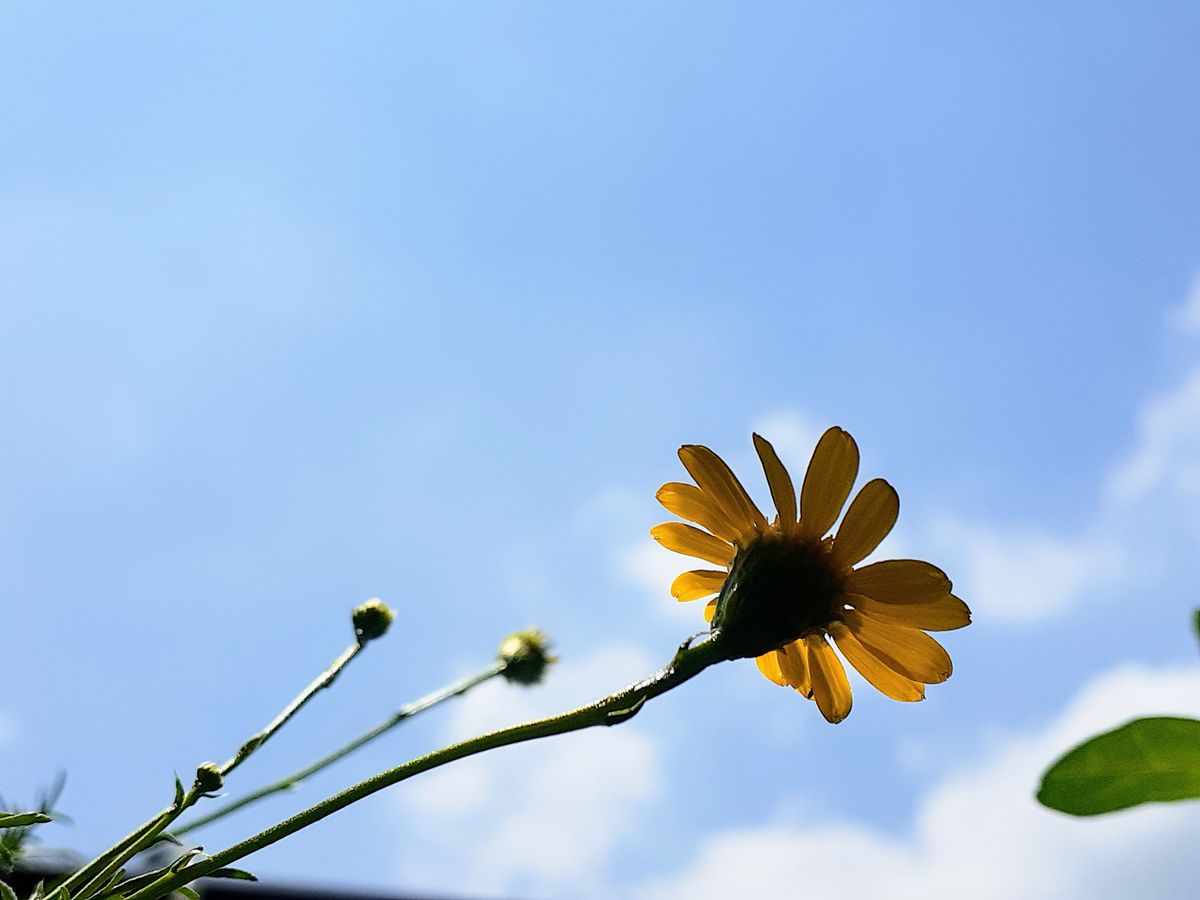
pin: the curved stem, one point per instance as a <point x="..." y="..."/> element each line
<point x="405" y="712"/>
<point x="689" y="661"/>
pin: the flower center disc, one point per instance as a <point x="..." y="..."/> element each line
<point x="781" y="586"/>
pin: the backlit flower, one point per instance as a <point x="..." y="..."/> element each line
<point x="786" y="586"/>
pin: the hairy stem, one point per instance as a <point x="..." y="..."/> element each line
<point x="689" y="661"/>
<point x="293" y="780"/>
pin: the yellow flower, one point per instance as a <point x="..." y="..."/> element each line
<point x="786" y="585"/>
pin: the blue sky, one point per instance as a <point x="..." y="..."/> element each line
<point x="301" y="305"/>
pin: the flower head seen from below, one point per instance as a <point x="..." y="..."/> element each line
<point x="787" y="586"/>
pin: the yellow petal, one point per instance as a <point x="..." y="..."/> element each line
<point x="899" y="581"/>
<point x="827" y="483"/>
<point x="868" y="521"/>
<point x="831" y="688"/>
<point x="692" y="542"/>
<point x="768" y="664"/>
<point x="888" y="682"/>
<point x="783" y="492"/>
<point x="793" y="663"/>
<point x="689" y="502"/>
<point x="943" y="614"/>
<point x="718" y="482"/>
<point x="908" y="651"/>
<point x="697" y="583"/>
<point x="710" y="610"/>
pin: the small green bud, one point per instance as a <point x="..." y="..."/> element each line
<point x="525" y="655"/>
<point x="209" y="778"/>
<point x="371" y="620"/>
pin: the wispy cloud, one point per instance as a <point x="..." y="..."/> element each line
<point x="978" y="833"/>
<point x="1186" y="316"/>
<point x="1167" y="452"/>
<point x="1021" y="574"/>
<point x="543" y="819"/>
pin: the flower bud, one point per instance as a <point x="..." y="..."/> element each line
<point x="371" y="620"/>
<point x="209" y="778"/>
<point x="525" y="655"/>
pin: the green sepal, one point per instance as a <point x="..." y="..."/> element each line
<point x="109" y="886"/>
<point x="184" y="859"/>
<point x="129" y="885"/>
<point x="18" y="820"/>
<point x="238" y="874"/>
<point x="178" y="790"/>
<point x="1153" y="760"/>
<point x="6" y="892"/>
<point x="1196" y="624"/>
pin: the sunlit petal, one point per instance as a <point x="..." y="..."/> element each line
<point x="943" y="614"/>
<point x="870" y="517"/>
<point x="718" y="482"/>
<point x="693" y="542"/>
<point x="909" y="651"/>
<point x="831" y="688"/>
<point x="768" y="664"/>
<point x="783" y="492"/>
<point x="793" y="662"/>
<point x="827" y="483"/>
<point x="887" y="681"/>
<point x="689" y="502"/>
<point x="697" y="583"/>
<point x="899" y="581"/>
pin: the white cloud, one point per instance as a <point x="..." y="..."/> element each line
<point x="979" y="833"/>
<point x="652" y="568"/>
<point x="1167" y="453"/>
<point x="1022" y="575"/>
<point x="1186" y="316"/>
<point x="541" y="819"/>
<point x="792" y="434"/>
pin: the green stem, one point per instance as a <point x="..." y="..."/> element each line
<point x="405" y="712"/>
<point x="118" y="854"/>
<point x="322" y="681"/>
<point x="94" y="873"/>
<point x="689" y="661"/>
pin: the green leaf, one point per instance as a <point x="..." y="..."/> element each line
<point x="187" y="892"/>
<point x="239" y="874"/>
<point x="7" y="893"/>
<point x="1145" y="761"/>
<point x="16" y="820"/>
